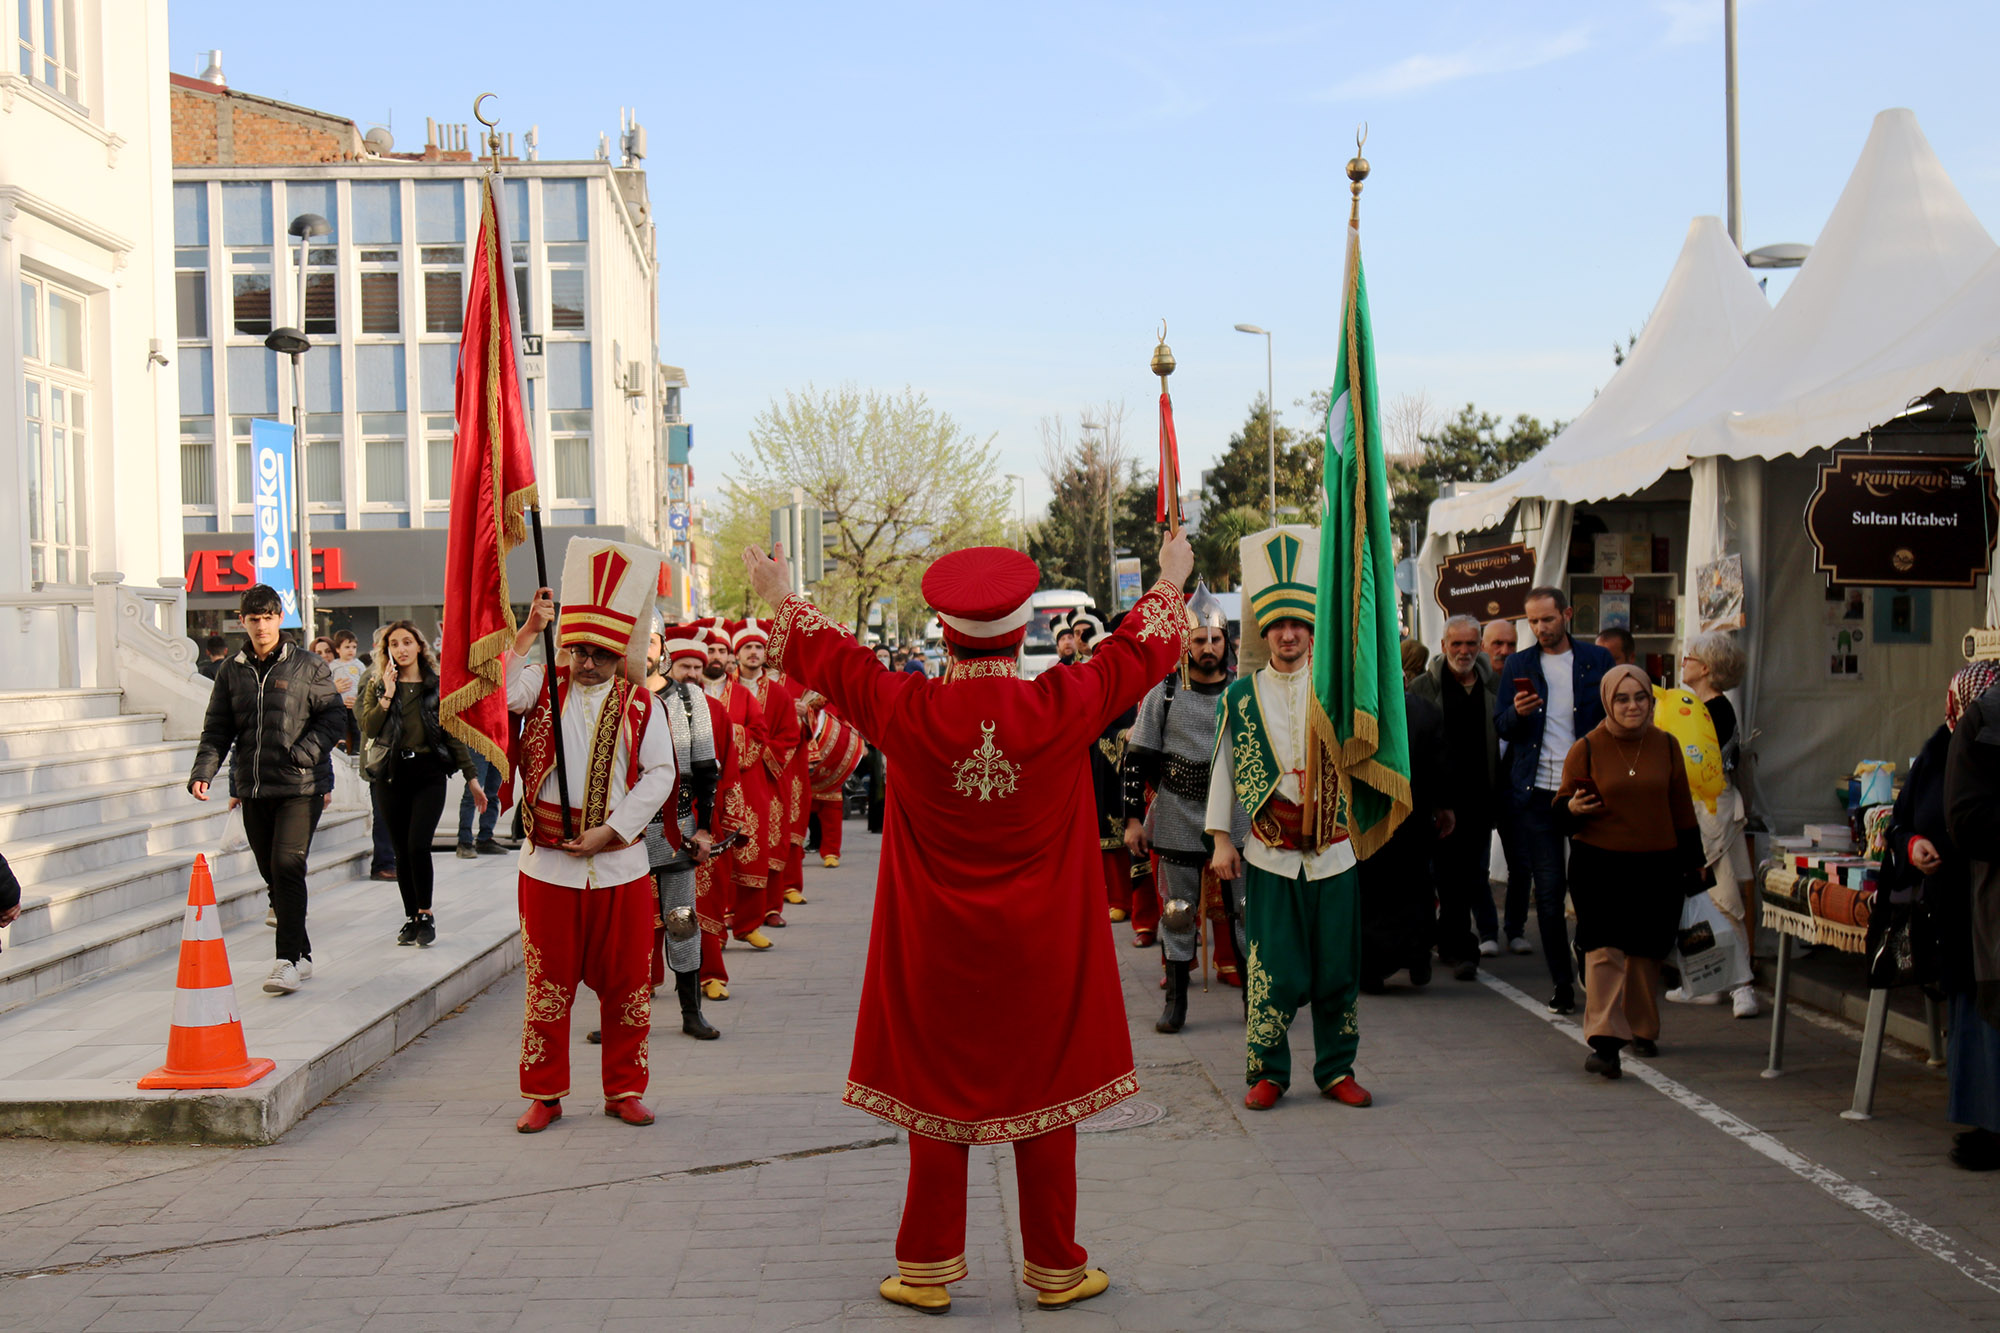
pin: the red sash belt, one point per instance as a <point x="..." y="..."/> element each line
<point x="1289" y="817"/>
<point x="546" y="827"/>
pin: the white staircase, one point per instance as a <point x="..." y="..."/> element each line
<point x="96" y="822"/>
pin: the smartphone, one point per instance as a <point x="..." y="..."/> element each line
<point x="1588" y="787"/>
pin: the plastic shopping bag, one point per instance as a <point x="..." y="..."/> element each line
<point x="1708" y="951"/>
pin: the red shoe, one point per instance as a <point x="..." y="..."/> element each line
<point x="629" y="1109"/>
<point x="1230" y="979"/>
<point x="773" y="919"/>
<point x="1263" y="1096"/>
<point x="1142" y="939"/>
<point x="1349" y="1093"/>
<point x="538" y="1117"/>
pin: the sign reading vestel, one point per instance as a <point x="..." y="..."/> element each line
<point x="1904" y="520"/>
<point x="1489" y="585"/>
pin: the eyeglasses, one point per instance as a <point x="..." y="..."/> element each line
<point x="604" y="655"/>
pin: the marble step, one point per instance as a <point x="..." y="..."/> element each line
<point x="134" y="796"/>
<point x="32" y="970"/>
<point x="25" y="706"/>
<point x="68" y="736"/>
<point x="191" y="824"/>
<point x="21" y="778"/>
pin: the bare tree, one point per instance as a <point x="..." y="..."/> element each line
<point x="1410" y="417"/>
<point x="900" y="482"/>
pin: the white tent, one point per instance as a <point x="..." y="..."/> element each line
<point x="1900" y="296"/>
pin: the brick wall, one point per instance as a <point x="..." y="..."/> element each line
<point x="216" y="127"/>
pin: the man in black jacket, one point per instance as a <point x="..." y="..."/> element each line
<point x="276" y="707"/>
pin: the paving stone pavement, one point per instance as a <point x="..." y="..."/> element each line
<point x="1493" y="1184"/>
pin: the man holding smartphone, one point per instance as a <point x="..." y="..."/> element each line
<point x="1547" y="697"/>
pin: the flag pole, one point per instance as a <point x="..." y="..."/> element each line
<point x="1170" y="461"/>
<point x="503" y="277"/>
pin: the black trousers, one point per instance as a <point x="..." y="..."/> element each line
<point x="412" y="803"/>
<point x="1461" y="869"/>
<point x="280" y="830"/>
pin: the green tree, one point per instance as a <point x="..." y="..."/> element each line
<point x="1215" y="545"/>
<point x="1472" y="446"/>
<point x="1242" y="476"/>
<point x="900" y="483"/>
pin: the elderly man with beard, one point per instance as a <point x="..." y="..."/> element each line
<point x="1169" y="751"/>
<point x="1460" y="685"/>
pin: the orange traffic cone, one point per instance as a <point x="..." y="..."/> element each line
<point x="205" y="1045"/>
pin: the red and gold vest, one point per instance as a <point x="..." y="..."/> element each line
<point x="627" y="710"/>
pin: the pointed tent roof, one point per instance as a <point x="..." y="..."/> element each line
<point x="1708" y="310"/>
<point x="1864" y="319"/>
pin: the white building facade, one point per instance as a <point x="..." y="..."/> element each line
<point x="88" y="394"/>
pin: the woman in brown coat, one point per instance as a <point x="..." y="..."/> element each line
<point x="1635" y="855"/>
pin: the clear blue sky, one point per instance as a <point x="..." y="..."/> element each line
<point x="996" y="204"/>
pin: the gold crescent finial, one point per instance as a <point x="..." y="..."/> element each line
<point x="479" y="115"/>
<point x="1361" y="138"/>
<point x="1163" y="329"/>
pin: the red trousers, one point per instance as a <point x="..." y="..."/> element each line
<point x="599" y="937"/>
<point x="793" y="878"/>
<point x="751" y="889"/>
<point x="711" y="958"/>
<point x="829" y="825"/>
<point x="712" y="903"/>
<point x="930" y="1247"/>
<point x="1139" y="898"/>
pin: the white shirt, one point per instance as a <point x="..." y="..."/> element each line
<point x="1558" y="717"/>
<point x="631" y="808"/>
<point x="1286" y="701"/>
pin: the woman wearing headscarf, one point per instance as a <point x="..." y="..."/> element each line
<point x="1635" y="855"/>
<point x="1944" y="829"/>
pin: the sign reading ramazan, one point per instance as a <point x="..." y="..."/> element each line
<point x="1904" y="520"/>
<point x="1489" y="585"/>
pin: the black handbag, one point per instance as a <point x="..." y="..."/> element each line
<point x="1900" y="934"/>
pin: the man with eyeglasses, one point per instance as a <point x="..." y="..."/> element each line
<point x="587" y="898"/>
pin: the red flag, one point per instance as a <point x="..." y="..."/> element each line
<point x="1168" y="507"/>
<point x="492" y="485"/>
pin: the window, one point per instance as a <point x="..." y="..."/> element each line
<point x="198" y="462"/>
<point x="325" y="486"/>
<point x="377" y="212"/>
<point x="246" y="213"/>
<point x="383" y="456"/>
<point x="48" y="45"/>
<point x="566" y="210"/>
<point x="440" y="212"/>
<point x="573" y="467"/>
<point x="568" y="265"/>
<point x="55" y="431"/>
<point x="381" y="297"/>
<point x="239" y="436"/>
<point x="569" y="375"/>
<point x="437" y="457"/>
<point x="191" y="304"/>
<point x="521" y="308"/>
<point x="444" y="291"/>
<point x="250" y="303"/>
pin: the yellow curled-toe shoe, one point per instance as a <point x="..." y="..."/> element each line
<point x="830" y="862"/>
<point x="931" y="1300"/>
<point x="713" y="989"/>
<point x="794" y="897"/>
<point x="1095" y="1280"/>
<point x="756" y="939"/>
<point x="1119" y="914"/>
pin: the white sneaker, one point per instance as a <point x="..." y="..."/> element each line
<point x="1743" y="1002"/>
<point x="1489" y="948"/>
<point x="305" y="966"/>
<point x="271" y="917"/>
<point x="1679" y="995"/>
<point x="1519" y="945"/>
<point x="284" y="978"/>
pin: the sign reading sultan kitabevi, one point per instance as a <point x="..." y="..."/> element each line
<point x="1490" y="585"/>
<point x="1904" y="520"/>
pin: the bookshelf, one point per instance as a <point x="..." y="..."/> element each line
<point x="1649" y="605"/>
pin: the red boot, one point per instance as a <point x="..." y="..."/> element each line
<point x="1263" y="1095"/>
<point x="629" y="1109"/>
<point x="538" y="1117"/>
<point x="1349" y="1093"/>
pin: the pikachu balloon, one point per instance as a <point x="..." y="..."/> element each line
<point x="1686" y="719"/>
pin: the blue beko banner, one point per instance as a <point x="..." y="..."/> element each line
<point x="273" y="488"/>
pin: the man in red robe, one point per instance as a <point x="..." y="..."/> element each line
<point x="784" y="763"/>
<point x="749" y="863"/>
<point x="990" y="831"/>
<point x="835" y="749"/>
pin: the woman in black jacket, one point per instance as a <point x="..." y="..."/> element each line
<point x="411" y="756"/>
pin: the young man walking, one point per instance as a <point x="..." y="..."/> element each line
<point x="275" y="707"/>
<point x="1546" y="697"/>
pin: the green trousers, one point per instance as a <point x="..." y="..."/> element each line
<point x="1305" y="949"/>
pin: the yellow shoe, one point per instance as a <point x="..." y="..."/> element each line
<point x="794" y="897"/>
<point x="1095" y="1280"/>
<point x="830" y="862"/>
<point x="714" y="990"/>
<point x="931" y="1300"/>
<point x="757" y="939"/>
<point x="1118" y="914"/>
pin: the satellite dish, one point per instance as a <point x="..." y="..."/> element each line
<point x="379" y="140"/>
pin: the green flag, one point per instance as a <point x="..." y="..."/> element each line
<point x="1357" y="650"/>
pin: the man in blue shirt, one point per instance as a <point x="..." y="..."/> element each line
<point x="1545" y="700"/>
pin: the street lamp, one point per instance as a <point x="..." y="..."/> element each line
<point x="1110" y="541"/>
<point x="292" y="342"/>
<point x="1023" y="482"/>
<point x="1270" y="417"/>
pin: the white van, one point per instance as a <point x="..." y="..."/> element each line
<point x="1038" y="649"/>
